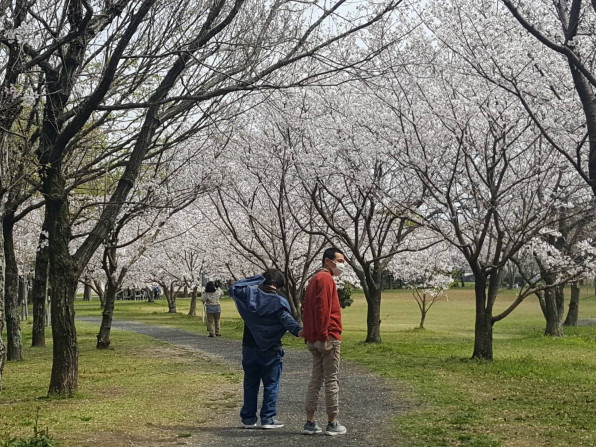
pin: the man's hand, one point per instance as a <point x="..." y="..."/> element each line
<point x="301" y="333"/>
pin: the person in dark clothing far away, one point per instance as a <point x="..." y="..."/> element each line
<point x="267" y="317"/>
<point x="321" y="314"/>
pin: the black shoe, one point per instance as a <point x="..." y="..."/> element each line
<point x="211" y="335"/>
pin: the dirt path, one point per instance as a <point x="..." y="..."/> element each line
<point x="367" y="402"/>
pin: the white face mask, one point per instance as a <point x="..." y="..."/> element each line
<point x="340" y="266"/>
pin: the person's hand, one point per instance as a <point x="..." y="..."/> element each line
<point x="301" y="333"/>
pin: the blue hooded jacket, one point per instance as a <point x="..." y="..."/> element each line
<point x="266" y="315"/>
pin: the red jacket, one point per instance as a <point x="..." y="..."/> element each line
<point x="321" y="313"/>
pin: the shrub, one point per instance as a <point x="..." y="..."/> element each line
<point x="40" y="439"/>
<point x="345" y="295"/>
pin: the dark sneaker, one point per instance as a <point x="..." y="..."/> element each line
<point x="311" y="428"/>
<point x="249" y="425"/>
<point x="274" y="423"/>
<point x="211" y="335"/>
<point x="335" y="428"/>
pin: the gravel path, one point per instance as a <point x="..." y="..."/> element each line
<point x="587" y="322"/>
<point x="367" y="402"/>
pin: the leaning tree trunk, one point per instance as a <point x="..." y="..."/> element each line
<point x="100" y="292"/>
<point x="193" y="302"/>
<point x="39" y="293"/>
<point x="483" y="328"/>
<point x="542" y="303"/>
<point x="103" y="338"/>
<point x="573" y="313"/>
<point x="14" y="339"/>
<point x="373" y="317"/>
<point x="588" y="100"/>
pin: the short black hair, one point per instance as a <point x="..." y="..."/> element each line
<point x="210" y="287"/>
<point x="330" y="253"/>
<point x="273" y="277"/>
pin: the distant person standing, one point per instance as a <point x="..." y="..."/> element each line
<point x="210" y="297"/>
<point x="321" y="317"/>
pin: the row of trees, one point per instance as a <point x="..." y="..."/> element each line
<point x="151" y="141"/>
<point x="96" y="91"/>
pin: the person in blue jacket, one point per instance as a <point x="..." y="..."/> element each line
<point x="267" y="317"/>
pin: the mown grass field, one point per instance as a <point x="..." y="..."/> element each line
<point x="538" y="391"/>
<point x="142" y="392"/>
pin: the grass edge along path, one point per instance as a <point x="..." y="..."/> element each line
<point x="142" y="392"/>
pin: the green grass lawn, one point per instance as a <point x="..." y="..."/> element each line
<point x="142" y="391"/>
<point x="538" y="391"/>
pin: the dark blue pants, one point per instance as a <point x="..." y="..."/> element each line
<point x="260" y="367"/>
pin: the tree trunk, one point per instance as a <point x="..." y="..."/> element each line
<point x="14" y="340"/>
<point x="295" y="299"/>
<point x="553" y="322"/>
<point x="24" y="297"/>
<point x="373" y="317"/>
<point x="100" y="292"/>
<point x="170" y="294"/>
<point x="103" y="338"/>
<point x="512" y="271"/>
<point x="2" y="286"/>
<point x="65" y="365"/>
<point x="542" y="303"/>
<point x="87" y="290"/>
<point x="483" y="338"/>
<point x="483" y="328"/>
<point x="64" y="277"/>
<point x="573" y="313"/>
<point x="560" y="301"/>
<point x="39" y="294"/>
<point x="193" y="302"/>
<point x="422" y="319"/>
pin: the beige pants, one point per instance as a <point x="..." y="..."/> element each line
<point x="213" y="324"/>
<point x="325" y="369"/>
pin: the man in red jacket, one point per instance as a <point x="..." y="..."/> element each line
<point x="321" y="316"/>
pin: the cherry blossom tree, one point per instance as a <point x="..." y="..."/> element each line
<point x="355" y="185"/>
<point x="255" y="207"/>
<point x="140" y="86"/>
<point x="566" y="28"/>
<point x="492" y="179"/>
<point x="560" y="257"/>
<point x="539" y="81"/>
<point x="167" y="188"/>
<point x="427" y="273"/>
